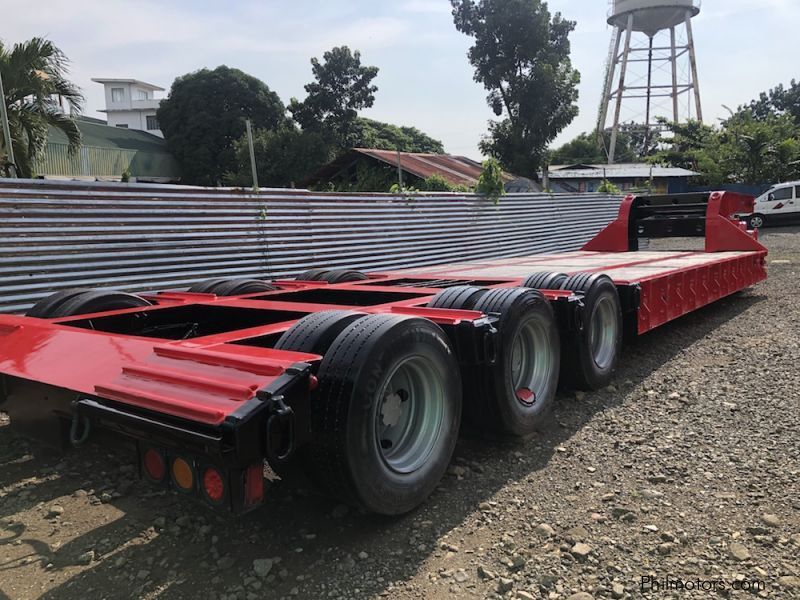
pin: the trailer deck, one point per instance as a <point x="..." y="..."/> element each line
<point x="671" y="284"/>
<point x="233" y="372"/>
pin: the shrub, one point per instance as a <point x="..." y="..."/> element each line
<point x="490" y="183"/>
<point x="606" y="187"/>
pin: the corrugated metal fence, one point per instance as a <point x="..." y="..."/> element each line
<point x="56" y="235"/>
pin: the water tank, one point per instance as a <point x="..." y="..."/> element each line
<point x="651" y="16"/>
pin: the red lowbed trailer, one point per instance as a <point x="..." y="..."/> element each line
<point x="359" y="380"/>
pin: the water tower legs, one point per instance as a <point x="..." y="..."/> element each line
<point x="674" y="61"/>
<point x="611" y="67"/>
<point x="693" y="63"/>
<point x="621" y="89"/>
<point x="616" y="90"/>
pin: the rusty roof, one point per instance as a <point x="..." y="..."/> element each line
<point x="457" y="170"/>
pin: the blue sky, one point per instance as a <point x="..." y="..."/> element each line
<point x="744" y="47"/>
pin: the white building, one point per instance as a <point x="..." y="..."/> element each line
<point x="131" y="104"/>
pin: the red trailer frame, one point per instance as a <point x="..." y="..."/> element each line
<point x="196" y="374"/>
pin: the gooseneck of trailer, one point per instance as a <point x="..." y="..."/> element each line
<point x="362" y="381"/>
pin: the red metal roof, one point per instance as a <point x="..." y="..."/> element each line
<point x="457" y="170"/>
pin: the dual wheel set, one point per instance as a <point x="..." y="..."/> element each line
<point x="392" y="392"/>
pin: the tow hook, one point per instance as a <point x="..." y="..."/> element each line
<point x="491" y="343"/>
<point x="75" y="438"/>
<point x="280" y="431"/>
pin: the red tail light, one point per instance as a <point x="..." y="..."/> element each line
<point x="254" y="485"/>
<point x="154" y="465"/>
<point x="213" y="485"/>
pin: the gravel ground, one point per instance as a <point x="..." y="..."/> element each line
<point x="687" y="467"/>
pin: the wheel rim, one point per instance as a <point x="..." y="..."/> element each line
<point x="410" y="415"/>
<point x="756" y="222"/>
<point x="603" y="332"/>
<point x="531" y="361"/>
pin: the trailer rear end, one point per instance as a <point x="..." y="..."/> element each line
<point x="362" y="381"/>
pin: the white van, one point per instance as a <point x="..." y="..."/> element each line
<point x="778" y="205"/>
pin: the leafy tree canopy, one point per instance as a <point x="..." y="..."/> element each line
<point x="778" y="101"/>
<point x="742" y="149"/>
<point x="342" y="87"/>
<point x="582" y="149"/>
<point x="205" y="114"/>
<point x="34" y="76"/>
<point x="368" y="133"/>
<point x="284" y="156"/>
<point x="758" y="144"/>
<point x="586" y="148"/>
<point x="204" y="123"/>
<point x="521" y="56"/>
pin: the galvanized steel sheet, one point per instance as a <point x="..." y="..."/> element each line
<point x="57" y="235"/>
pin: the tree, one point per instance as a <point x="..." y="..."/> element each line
<point x="582" y="149"/>
<point x="385" y="136"/>
<point x="341" y="88"/>
<point x="778" y="101"/>
<point x="743" y="149"/>
<point x="205" y="114"/>
<point x="284" y="156"/>
<point x="34" y="78"/>
<point x="521" y="56"/>
<point x="758" y="144"/>
<point x="695" y="147"/>
<point x="287" y="156"/>
<point x="760" y="150"/>
<point x="490" y="181"/>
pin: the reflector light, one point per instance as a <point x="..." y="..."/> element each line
<point x="526" y="396"/>
<point x="182" y="474"/>
<point x="213" y="485"/>
<point x="254" y="484"/>
<point x="154" y="466"/>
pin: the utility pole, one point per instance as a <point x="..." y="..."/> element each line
<point x="6" y="129"/>
<point x="252" y="154"/>
<point x="399" y="170"/>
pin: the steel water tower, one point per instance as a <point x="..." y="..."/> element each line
<point x="641" y="74"/>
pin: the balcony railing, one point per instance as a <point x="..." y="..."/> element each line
<point x="150" y="103"/>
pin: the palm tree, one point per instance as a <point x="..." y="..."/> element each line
<point x="34" y="82"/>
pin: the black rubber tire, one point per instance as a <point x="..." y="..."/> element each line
<point x="579" y="366"/>
<point x="207" y="286"/>
<point x="460" y="297"/>
<point x="239" y="287"/>
<point x="343" y="276"/>
<point x="312" y="275"/>
<point x="315" y="333"/>
<point x="491" y="399"/>
<point x="752" y="221"/>
<point x="98" y="301"/>
<point x="45" y="308"/>
<point x="344" y="459"/>
<point x="545" y="280"/>
<point x="577" y="281"/>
